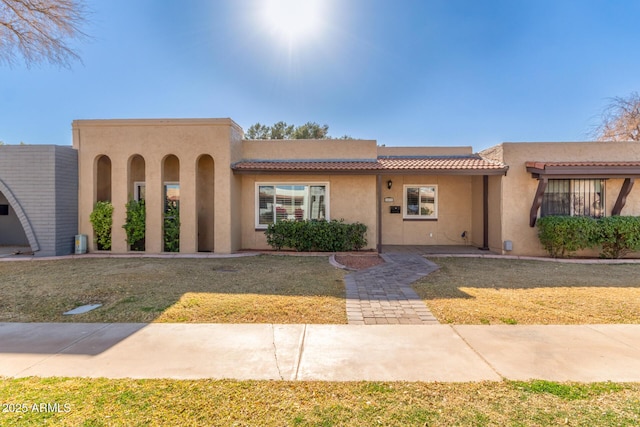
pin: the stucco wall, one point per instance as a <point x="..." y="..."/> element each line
<point x="40" y="184"/>
<point x="351" y="197"/>
<point x="309" y="149"/>
<point x="154" y="140"/>
<point x="518" y="188"/>
<point x="454" y="212"/>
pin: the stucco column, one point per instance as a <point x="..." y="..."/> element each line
<point x="119" y="200"/>
<point x="154" y="204"/>
<point x="188" y="212"/>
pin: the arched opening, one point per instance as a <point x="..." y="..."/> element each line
<point x="103" y="179"/>
<point x="171" y="194"/>
<point x="204" y="202"/>
<point x="102" y="216"/>
<point x="13" y="237"/>
<point x="135" y="224"/>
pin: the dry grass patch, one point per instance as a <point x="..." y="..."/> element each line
<point x="495" y="291"/>
<point x="102" y="402"/>
<point x="262" y="289"/>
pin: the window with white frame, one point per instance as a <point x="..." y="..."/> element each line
<point x="298" y="202"/>
<point x="420" y="202"/>
<point x="574" y="197"/>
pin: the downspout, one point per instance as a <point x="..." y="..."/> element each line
<point x="485" y="213"/>
<point x="379" y="215"/>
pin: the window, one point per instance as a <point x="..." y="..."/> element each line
<point x="574" y="197"/>
<point x="171" y="195"/>
<point x="420" y="202"/>
<point x="277" y="202"/>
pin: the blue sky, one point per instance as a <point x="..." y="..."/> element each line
<point x="403" y="72"/>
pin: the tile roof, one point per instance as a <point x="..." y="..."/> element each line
<point x="471" y="162"/>
<point x="468" y="163"/>
<point x="306" y="165"/>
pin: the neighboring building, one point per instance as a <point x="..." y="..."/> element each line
<point x="39" y="198"/>
<point x="229" y="189"/>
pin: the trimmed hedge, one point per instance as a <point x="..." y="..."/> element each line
<point x="317" y="235"/>
<point x="563" y="235"/>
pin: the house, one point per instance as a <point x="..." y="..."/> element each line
<point x="229" y="189"/>
<point x="39" y="198"/>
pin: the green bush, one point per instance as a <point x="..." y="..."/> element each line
<point x="562" y="235"/>
<point x="102" y="220"/>
<point x="135" y="225"/>
<point x="618" y="235"/>
<point x="172" y="227"/>
<point x="317" y="235"/>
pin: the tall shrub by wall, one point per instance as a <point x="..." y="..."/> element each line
<point x="135" y="225"/>
<point x="102" y="220"/>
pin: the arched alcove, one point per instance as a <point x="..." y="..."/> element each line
<point x="135" y="224"/>
<point x="171" y="205"/>
<point x="204" y="202"/>
<point x="103" y="179"/>
<point x="15" y="228"/>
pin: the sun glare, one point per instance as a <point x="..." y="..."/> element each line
<point x="293" y="21"/>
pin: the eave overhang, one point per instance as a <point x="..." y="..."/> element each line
<point x="567" y="170"/>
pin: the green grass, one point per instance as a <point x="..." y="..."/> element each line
<point x="503" y="291"/>
<point x="102" y="402"/>
<point x="262" y="289"/>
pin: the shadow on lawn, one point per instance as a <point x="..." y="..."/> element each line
<point x="141" y="289"/>
<point x="489" y="273"/>
<point x="138" y="291"/>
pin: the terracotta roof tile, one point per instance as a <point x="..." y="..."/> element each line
<point x="295" y="165"/>
<point x="448" y="163"/>
<point x="471" y="162"/>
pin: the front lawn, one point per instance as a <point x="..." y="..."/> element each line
<point x="102" y="402"/>
<point x="505" y="291"/>
<point x="261" y="289"/>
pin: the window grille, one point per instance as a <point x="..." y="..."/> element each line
<point x="574" y="197"/>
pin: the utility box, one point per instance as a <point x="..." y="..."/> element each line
<point x="508" y="245"/>
<point x="81" y="244"/>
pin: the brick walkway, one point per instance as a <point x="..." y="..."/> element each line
<point x="382" y="295"/>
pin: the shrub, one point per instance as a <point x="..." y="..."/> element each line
<point x="317" y="235"/>
<point x="102" y="219"/>
<point x="135" y="225"/>
<point x="618" y="235"/>
<point x="172" y="227"/>
<point x="562" y="235"/>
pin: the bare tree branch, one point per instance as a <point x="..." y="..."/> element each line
<point x="38" y="30"/>
<point x="620" y="120"/>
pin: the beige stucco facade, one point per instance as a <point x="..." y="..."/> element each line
<point x="512" y="197"/>
<point x="170" y="151"/>
<point x="481" y="200"/>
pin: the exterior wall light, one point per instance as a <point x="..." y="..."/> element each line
<point x="389" y="184"/>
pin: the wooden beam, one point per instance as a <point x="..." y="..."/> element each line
<point x="622" y="197"/>
<point x="537" y="201"/>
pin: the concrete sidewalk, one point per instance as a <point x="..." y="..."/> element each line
<point x="445" y="353"/>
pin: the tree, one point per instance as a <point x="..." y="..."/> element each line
<point x="281" y="130"/>
<point x="311" y="130"/>
<point x="39" y="30"/>
<point x="620" y="120"/>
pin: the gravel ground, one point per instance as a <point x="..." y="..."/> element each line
<point x="359" y="262"/>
